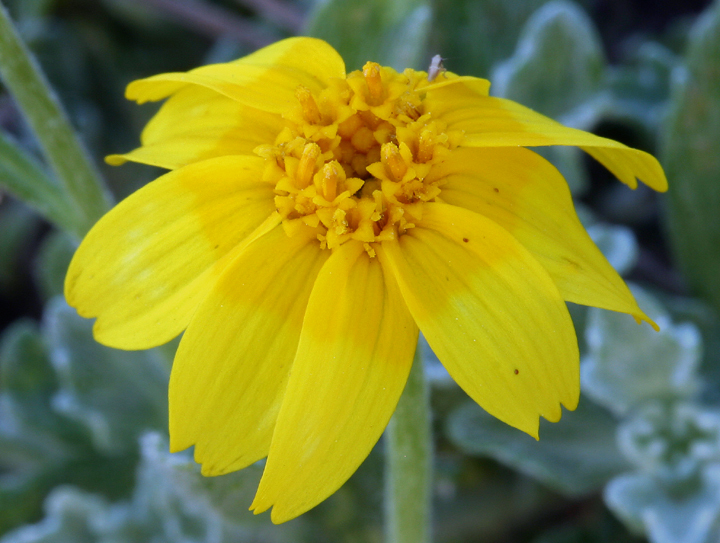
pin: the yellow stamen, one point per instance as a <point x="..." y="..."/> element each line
<point x="353" y="158"/>
<point x="331" y="174"/>
<point x="394" y="164"/>
<point x="426" y="145"/>
<point x="306" y="168"/>
<point x="371" y="71"/>
<point x="310" y="110"/>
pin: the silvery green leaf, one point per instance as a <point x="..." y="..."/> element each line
<point x="586" y="215"/>
<point x="115" y="394"/>
<point x="617" y="243"/>
<point x="558" y="63"/>
<point x="27" y="380"/>
<point x="390" y="32"/>
<point x="639" y="88"/>
<point x="404" y="45"/>
<point x="172" y="502"/>
<point x="31" y="433"/>
<point x="691" y="155"/>
<point x="40" y="448"/>
<point x="708" y="322"/>
<point x="569" y="162"/>
<point x="164" y="508"/>
<point x="671" y="439"/>
<point x="576" y="455"/>
<point x="473" y="35"/>
<point x="687" y="515"/>
<point x="484" y="501"/>
<point x="557" y="68"/>
<point x="627" y="364"/>
<point x="69" y="515"/>
<point x="26" y="179"/>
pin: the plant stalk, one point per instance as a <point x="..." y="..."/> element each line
<point x="408" y="479"/>
<point x="80" y="181"/>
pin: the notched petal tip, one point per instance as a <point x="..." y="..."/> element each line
<point x="259" y="504"/>
<point x="206" y="470"/>
<point x="533" y="432"/>
<point x="642" y="317"/>
<point x="570" y="406"/>
<point x="276" y="515"/>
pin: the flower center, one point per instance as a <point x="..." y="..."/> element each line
<point x="352" y="161"/>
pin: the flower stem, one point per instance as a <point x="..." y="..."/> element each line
<point x="408" y="480"/>
<point x="78" y="177"/>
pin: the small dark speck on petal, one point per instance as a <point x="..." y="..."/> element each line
<point x="217" y="246"/>
<point x="517" y="371"/>
<point x="465" y="240"/>
<point x="496" y="189"/>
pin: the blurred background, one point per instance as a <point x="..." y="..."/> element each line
<point x="83" y="438"/>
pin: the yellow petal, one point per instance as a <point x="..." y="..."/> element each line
<point x="352" y="363"/>
<point x="496" y="122"/>
<point x="476" y="84"/>
<point x="265" y="80"/>
<point x="232" y="366"/>
<point x="528" y="197"/>
<point x="196" y="124"/>
<point x="490" y="312"/>
<point x="146" y="265"/>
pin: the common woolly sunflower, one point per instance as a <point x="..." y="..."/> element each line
<point x="311" y="223"/>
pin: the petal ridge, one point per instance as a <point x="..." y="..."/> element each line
<point x="228" y="380"/>
<point x="146" y="265"/>
<point x="352" y="363"/>
<point x="490" y="312"/>
<point x="265" y="80"/>
<point x="526" y="195"/>
<point x="498" y="122"/>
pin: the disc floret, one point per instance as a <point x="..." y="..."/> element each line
<point x="353" y="159"/>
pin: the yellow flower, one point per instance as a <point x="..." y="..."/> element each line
<point x="311" y="223"/>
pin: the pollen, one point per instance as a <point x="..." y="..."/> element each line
<point x="353" y="159"/>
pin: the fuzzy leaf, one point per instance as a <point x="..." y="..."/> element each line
<point x="115" y="394"/>
<point x="640" y="87"/>
<point x="628" y="364"/>
<point x="575" y="456"/>
<point x="474" y="35"/>
<point x="558" y="63"/>
<point x="24" y="177"/>
<point x="557" y="67"/>
<point x="69" y="518"/>
<point x="646" y="505"/>
<point x="671" y="439"/>
<point x="617" y="243"/>
<point x="390" y="32"/>
<point x="691" y="154"/>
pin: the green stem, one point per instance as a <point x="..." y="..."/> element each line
<point x="26" y="179"/>
<point x="408" y="481"/>
<point x="65" y="154"/>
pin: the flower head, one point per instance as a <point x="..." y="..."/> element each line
<point x="312" y="222"/>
